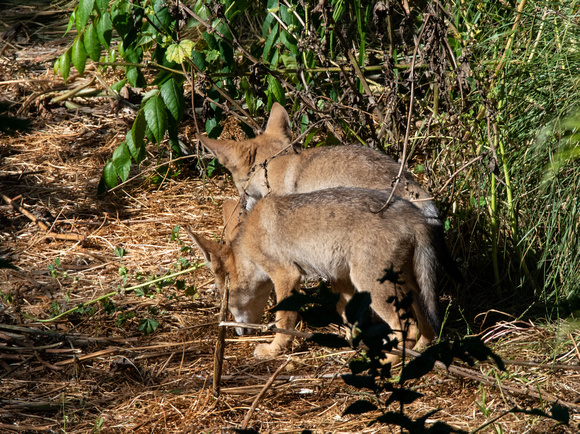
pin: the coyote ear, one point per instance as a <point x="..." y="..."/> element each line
<point x="231" y="207"/>
<point x="224" y="150"/>
<point x="215" y="254"/>
<point x="279" y="122"/>
<point x="233" y="217"/>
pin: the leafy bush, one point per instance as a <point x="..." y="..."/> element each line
<point x="440" y="84"/>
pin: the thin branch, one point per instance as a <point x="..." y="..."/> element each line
<point x="262" y="393"/>
<point x="409" y="116"/>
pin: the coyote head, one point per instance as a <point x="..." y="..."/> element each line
<point x="240" y="157"/>
<point x="249" y="289"/>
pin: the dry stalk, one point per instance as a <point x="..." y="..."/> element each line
<point x="262" y="393"/>
<point x="220" y="346"/>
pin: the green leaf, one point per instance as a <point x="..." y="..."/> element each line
<point x="135" y="76"/>
<point x="71" y="21"/>
<point x="64" y="64"/>
<point x="92" y="44"/>
<point x="212" y="55"/>
<point x="179" y="52"/>
<point x="250" y="96"/>
<point x="83" y="12"/>
<point x="275" y="92"/>
<point x="289" y="61"/>
<point x="150" y="94"/>
<point x="270" y="42"/>
<point x="148" y="325"/>
<point x="102" y="5"/>
<point x="56" y="66"/>
<point x="79" y="55"/>
<point x="289" y="42"/>
<point x="198" y="60"/>
<point x="162" y="18"/>
<point x="117" y="86"/>
<point x="227" y="55"/>
<point x="105" y="29"/>
<point x="211" y="40"/>
<point x="122" y="161"/>
<point x="136" y="137"/>
<point x="156" y="117"/>
<point x="122" y="18"/>
<point x="213" y="128"/>
<point x="109" y="177"/>
<point x="266" y="26"/>
<point x="173" y="97"/>
<point x="191" y="291"/>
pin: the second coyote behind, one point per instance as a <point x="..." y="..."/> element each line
<point x="335" y="234"/>
<point x="268" y="164"/>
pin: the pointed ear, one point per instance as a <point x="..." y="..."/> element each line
<point x="226" y="151"/>
<point x="231" y="208"/>
<point x="233" y="217"/>
<point x="215" y="254"/>
<point x="279" y="122"/>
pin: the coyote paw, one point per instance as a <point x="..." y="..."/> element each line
<point x="267" y="351"/>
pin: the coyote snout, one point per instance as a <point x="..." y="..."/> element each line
<point x="336" y="234"/>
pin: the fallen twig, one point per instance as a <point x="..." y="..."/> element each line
<point x="43" y="226"/>
<point x="262" y="393"/>
<point x="23" y="211"/>
<point x="452" y="369"/>
<point x="220" y="345"/>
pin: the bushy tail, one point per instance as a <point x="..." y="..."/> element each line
<point x="443" y="255"/>
<point x="425" y="262"/>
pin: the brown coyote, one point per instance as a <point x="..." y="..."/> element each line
<point x="268" y="164"/>
<point x="233" y="215"/>
<point x="336" y="234"/>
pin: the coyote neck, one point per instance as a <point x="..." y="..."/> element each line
<point x="276" y="176"/>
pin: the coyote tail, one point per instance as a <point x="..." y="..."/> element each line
<point x="425" y="264"/>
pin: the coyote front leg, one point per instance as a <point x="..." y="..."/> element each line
<point x="284" y="281"/>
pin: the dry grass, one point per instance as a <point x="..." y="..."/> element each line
<point x="73" y="374"/>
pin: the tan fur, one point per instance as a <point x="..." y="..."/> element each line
<point x="335" y="234"/>
<point x="278" y="169"/>
<point x="233" y="216"/>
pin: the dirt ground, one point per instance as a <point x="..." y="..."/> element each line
<point x="98" y="371"/>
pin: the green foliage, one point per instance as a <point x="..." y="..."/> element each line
<point x="464" y="88"/>
<point x="99" y="422"/>
<point x="148" y="325"/>
<point x="56" y="269"/>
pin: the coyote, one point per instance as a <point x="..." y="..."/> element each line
<point x="336" y="234"/>
<point x="269" y="164"/>
<point x="233" y="216"/>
